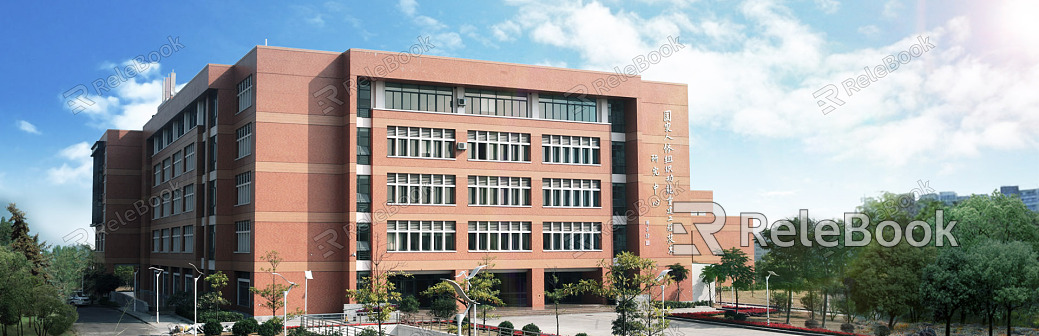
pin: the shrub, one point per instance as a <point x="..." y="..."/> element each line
<point x="270" y="327"/>
<point x="62" y="320"/>
<point x="530" y="327"/>
<point x="368" y="332"/>
<point x="811" y="324"/>
<point x="730" y="314"/>
<point x="505" y="328"/>
<point x="847" y="327"/>
<point x="882" y="330"/>
<point x="219" y="316"/>
<point x="245" y="327"/>
<point x="408" y="305"/>
<point x="580" y="334"/>
<point x="443" y="307"/>
<point x="301" y="331"/>
<point x="779" y="301"/>
<point x="212" y="328"/>
<point x="740" y="317"/>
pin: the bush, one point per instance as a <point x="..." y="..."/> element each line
<point x="245" y="327"/>
<point x="62" y="320"/>
<point x="212" y="328"/>
<point x="580" y="334"/>
<point x="301" y="331"/>
<point x="443" y="307"/>
<point x="679" y="304"/>
<point x="779" y="301"/>
<point x="270" y="327"/>
<point x="847" y="327"/>
<point x="882" y="330"/>
<point x="368" y="332"/>
<point x="408" y="305"/>
<point x="505" y="328"/>
<point x="219" y="316"/>
<point x="730" y="314"/>
<point x="740" y="317"/>
<point x="811" y="324"/>
<point x="530" y="327"/>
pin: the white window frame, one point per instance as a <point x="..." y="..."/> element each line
<point x="499" y="191"/>
<point x="177" y="164"/>
<point x="244" y="138"/>
<point x="565" y="149"/>
<point x="189" y="239"/>
<point x="243" y="236"/>
<point x="167" y="170"/>
<point x="189" y="198"/>
<point x="175" y="242"/>
<point x="243" y="186"/>
<point x="245" y="94"/>
<point x="498" y="146"/>
<point x="165" y="240"/>
<point x="571" y="236"/>
<point x="401" y="234"/>
<point x="178" y="207"/>
<point x="508" y="234"/>
<point x="571" y="193"/>
<point x="189" y="158"/>
<point x="420" y="142"/>
<point x="417" y="186"/>
<point x="158" y="174"/>
<point x="156" y="241"/>
<point x="99" y="241"/>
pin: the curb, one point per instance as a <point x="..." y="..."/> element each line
<point x="749" y="326"/>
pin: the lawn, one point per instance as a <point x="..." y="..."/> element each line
<point x="12" y="330"/>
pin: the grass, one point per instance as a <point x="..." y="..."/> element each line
<point x="12" y="330"/>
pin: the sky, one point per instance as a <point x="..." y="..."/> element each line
<point x="959" y="113"/>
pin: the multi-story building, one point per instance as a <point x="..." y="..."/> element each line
<point x="361" y="161"/>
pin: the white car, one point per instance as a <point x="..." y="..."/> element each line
<point x="79" y="299"/>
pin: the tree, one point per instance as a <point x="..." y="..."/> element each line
<point x="709" y="275"/>
<point x="678" y="273"/>
<point x="1000" y="217"/>
<point x="45" y="303"/>
<point x="557" y="294"/>
<point x="16" y="282"/>
<point x="1007" y="276"/>
<point x="484" y="289"/>
<point x="5" y="232"/>
<point x="626" y="279"/>
<point x="947" y="284"/>
<point x="376" y="295"/>
<point x="272" y="294"/>
<point x="887" y="279"/>
<point x="734" y="267"/>
<point x="67" y="267"/>
<point x="29" y="246"/>
<point x="214" y="298"/>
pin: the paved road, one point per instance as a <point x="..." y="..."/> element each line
<point x="98" y="320"/>
<point x="599" y="324"/>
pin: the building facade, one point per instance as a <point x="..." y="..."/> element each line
<point x="348" y="163"/>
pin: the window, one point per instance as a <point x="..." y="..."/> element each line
<point x="189" y="158"/>
<point x="176" y="239"/>
<point x="212" y="198"/>
<point x="245" y="145"/>
<point x="166" y="208"/>
<point x="571" y="193"/>
<point x="364" y="241"/>
<point x="158" y="174"/>
<point x="165" y="240"/>
<point x="156" y="143"/>
<point x="499" y="236"/>
<point x="244" y="296"/>
<point x="494" y="190"/>
<point x="189" y="239"/>
<point x="178" y="129"/>
<point x="497" y="103"/>
<point x="620" y="166"/>
<point x="243" y="183"/>
<point x="156" y="208"/>
<point x="563" y="108"/>
<point x="364" y="193"/>
<point x="419" y="97"/>
<point x="572" y="236"/>
<point x="364" y="145"/>
<point x="189" y="198"/>
<point x="191" y="116"/>
<point x="245" y="93"/>
<point x="156" y="241"/>
<point x="570" y="149"/>
<point x="620" y="199"/>
<point x="212" y="153"/>
<point x="420" y="142"/>
<point x="99" y="241"/>
<point x="167" y="171"/>
<point x="188" y="282"/>
<point x="178" y="207"/>
<point x="177" y="164"/>
<point x="364" y="97"/>
<point x="499" y="146"/>
<point x="616" y="110"/>
<point x="211" y="251"/>
<point x="425" y="189"/>
<point x="243" y="235"/>
<point x="425" y="236"/>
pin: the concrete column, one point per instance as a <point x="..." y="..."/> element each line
<point x="536" y="283"/>
<point x="535" y="108"/>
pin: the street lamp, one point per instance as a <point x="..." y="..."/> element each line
<point x="307" y="276"/>
<point x="768" y="299"/>
<point x="135" y="288"/>
<point x="662" y="283"/>
<point x="158" y="272"/>
<point x="468" y="302"/>
<point x="468" y="277"/>
<point x="194" y="324"/>
<point x="285" y="304"/>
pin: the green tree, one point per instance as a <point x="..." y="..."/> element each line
<point x="557" y="294"/>
<point x="678" y="273"/>
<point x="272" y="294"/>
<point x="125" y="275"/>
<point x="887" y="279"/>
<point x="626" y="279"/>
<point x="1007" y="277"/>
<point x="734" y="267"/>
<point x="947" y="284"/>
<point x="16" y="283"/>
<point x="1000" y="217"/>
<point x="214" y="298"/>
<point x="5" y="232"/>
<point x="45" y="303"/>
<point x="28" y="246"/>
<point x="376" y="296"/>
<point x="67" y="267"/>
<point x="709" y="275"/>
<point x="485" y="289"/>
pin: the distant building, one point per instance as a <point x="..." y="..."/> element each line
<point x="1029" y="196"/>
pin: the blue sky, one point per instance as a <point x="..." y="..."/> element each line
<point x="961" y="116"/>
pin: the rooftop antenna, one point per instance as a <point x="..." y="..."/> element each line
<point x="264" y="42"/>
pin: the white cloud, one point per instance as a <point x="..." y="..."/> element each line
<point x="77" y="170"/>
<point x="505" y="31"/>
<point x="128" y="105"/>
<point x="27" y="127"/>
<point x="869" y="30"/>
<point x="891" y="8"/>
<point x="440" y="33"/>
<point x="551" y="63"/>
<point x="828" y="6"/>
<point x="316" y="20"/>
<point x="409" y="7"/>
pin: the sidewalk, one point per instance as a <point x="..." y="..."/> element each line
<point x="166" y="320"/>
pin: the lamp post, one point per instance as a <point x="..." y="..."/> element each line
<point x="661" y="279"/>
<point x="307" y="276"/>
<point x="468" y="277"/>
<point x="158" y="272"/>
<point x="285" y="304"/>
<point x="135" y="288"/>
<point x="194" y="323"/>
<point x="465" y="297"/>
<point x="768" y="299"/>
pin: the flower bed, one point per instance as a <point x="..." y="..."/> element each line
<point x="711" y="316"/>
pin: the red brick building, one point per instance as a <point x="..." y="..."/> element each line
<point x="345" y="162"/>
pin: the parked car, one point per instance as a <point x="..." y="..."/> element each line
<point x="79" y="299"/>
